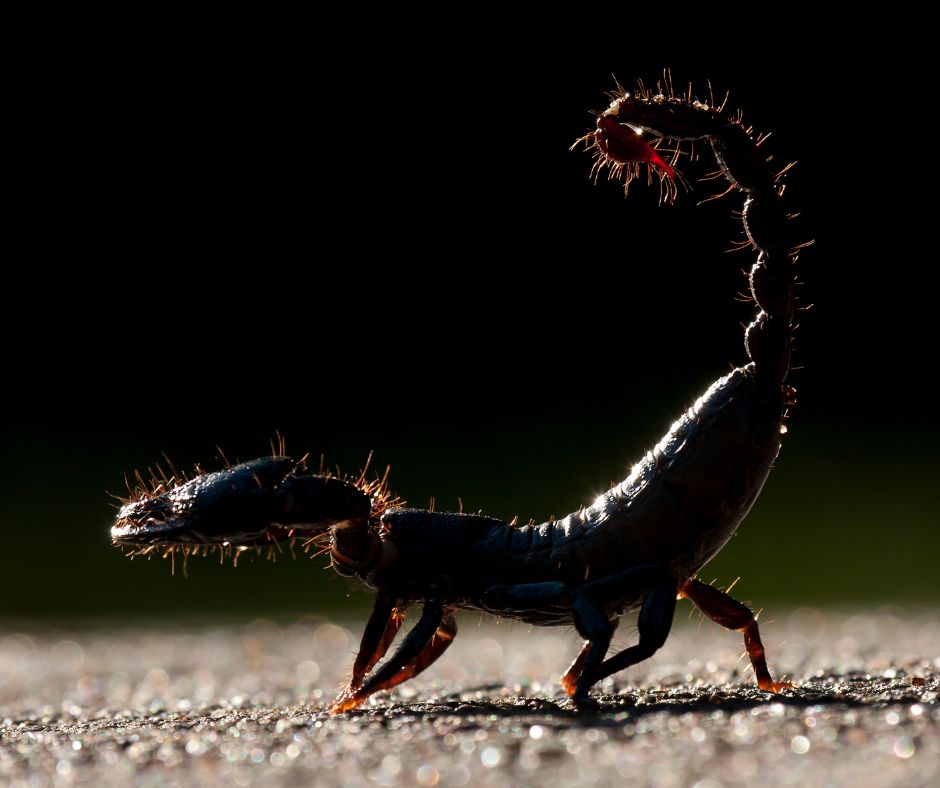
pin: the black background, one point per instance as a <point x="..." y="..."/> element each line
<point x="375" y="239"/>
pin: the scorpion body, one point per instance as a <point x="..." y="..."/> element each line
<point x="639" y="545"/>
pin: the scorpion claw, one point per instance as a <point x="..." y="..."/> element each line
<point x="251" y="504"/>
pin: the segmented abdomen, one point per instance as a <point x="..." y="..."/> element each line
<point x="678" y="506"/>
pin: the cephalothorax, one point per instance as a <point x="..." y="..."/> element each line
<point x="639" y="545"/>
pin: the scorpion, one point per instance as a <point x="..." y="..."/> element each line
<point x="639" y="545"/>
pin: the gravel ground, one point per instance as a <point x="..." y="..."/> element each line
<point x="243" y="705"/>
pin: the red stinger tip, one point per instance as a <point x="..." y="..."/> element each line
<point x="624" y="145"/>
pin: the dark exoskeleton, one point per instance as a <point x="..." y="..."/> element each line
<point x="639" y="545"/>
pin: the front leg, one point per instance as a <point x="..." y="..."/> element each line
<point x="439" y="643"/>
<point x="381" y="629"/>
<point x="416" y="642"/>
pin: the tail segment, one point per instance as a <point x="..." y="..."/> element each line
<point x="769" y="337"/>
<point x="674" y="120"/>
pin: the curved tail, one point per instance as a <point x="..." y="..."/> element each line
<point x="673" y="120"/>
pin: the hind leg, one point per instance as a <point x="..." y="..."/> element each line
<point x="724" y="609"/>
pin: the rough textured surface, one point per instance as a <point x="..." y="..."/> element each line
<point x="244" y="705"/>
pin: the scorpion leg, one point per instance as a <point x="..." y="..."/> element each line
<point x="570" y="680"/>
<point x="724" y="609"/>
<point x="442" y="638"/>
<point x="381" y="629"/>
<point x="415" y="642"/>
<point x="586" y="603"/>
<point x="654" y="623"/>
<point x="594" y="627"/>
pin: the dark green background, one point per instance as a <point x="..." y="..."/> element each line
<point x="398" y="253"/>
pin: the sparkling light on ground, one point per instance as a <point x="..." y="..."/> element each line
<point x="245" y="705"/>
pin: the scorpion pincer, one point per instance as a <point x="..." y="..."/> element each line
<point x="639" y="545"/>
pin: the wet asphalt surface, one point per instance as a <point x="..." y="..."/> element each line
<point x="245" y="705"/>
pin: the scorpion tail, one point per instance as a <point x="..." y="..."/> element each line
<point x="769" y="337"/>
<point x="678" y="119"/>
